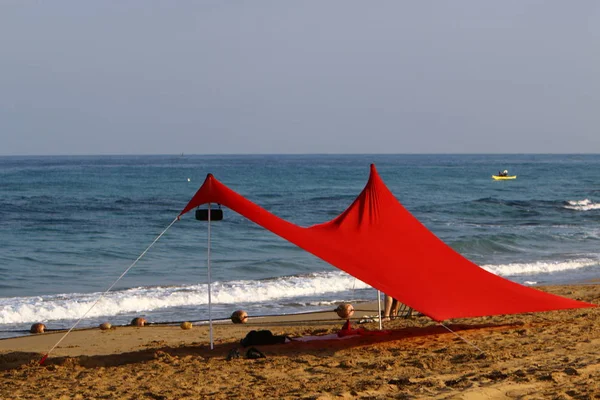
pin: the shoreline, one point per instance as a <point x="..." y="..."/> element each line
<point x="370" y="306"/>
<point x="328" y="314"/>
<point x="326" y="318"/>
<point x="553" y="354"/>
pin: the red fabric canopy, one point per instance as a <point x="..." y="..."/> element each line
<point x="379" y="242"/>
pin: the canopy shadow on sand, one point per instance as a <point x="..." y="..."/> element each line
<point x="317" y="348"/>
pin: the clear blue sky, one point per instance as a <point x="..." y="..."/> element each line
<point x="206" y="77"/>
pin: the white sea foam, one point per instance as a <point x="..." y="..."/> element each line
<point x="539" y="267"/>
<point x="304" y="291"/>
<point x="138" y="300"/>
<point x="582" y="205"/>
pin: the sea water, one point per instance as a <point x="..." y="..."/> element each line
<point x="70" y="227"/>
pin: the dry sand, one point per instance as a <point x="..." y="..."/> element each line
<point x="553" y="355"/>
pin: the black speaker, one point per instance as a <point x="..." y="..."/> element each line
<point x="215" y="215"/>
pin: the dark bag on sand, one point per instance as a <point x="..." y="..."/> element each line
<point x="262" y="337"/>
<point x="254" y="353"/>
<point x="233" y="354"/>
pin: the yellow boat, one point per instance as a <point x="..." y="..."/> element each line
<point x="503" y="178"/>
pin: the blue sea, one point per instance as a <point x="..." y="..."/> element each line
<point x="71" y="225"/>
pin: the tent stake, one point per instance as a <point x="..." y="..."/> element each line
<point x="379" y="309"/>
<point x="209" y="283"/>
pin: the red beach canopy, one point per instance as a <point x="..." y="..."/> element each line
<point x="379" y="242"/>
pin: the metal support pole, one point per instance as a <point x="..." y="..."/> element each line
<point x="379" y="309"/>
<point x="210" y="324"/>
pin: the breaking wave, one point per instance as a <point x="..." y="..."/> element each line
<point x="540" y="267"/>
<point x="581" y="205"/>
<point x="146" y="299"/>
<point x="278" y="294"/>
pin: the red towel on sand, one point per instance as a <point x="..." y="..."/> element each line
<point x="347" y="331"/>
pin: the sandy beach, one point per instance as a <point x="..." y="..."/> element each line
<point x="527" y="356"/>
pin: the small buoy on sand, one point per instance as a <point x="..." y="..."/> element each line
<point x="239" y="317"/>
<point x="37" y="328"/>
<point x="139" y="321"/>
<point x="344" y="310"/>
<point x="105" y="326"/>
<point x="186" y="325"/>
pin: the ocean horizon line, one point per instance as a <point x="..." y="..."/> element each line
<point x="293" y="154"/>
